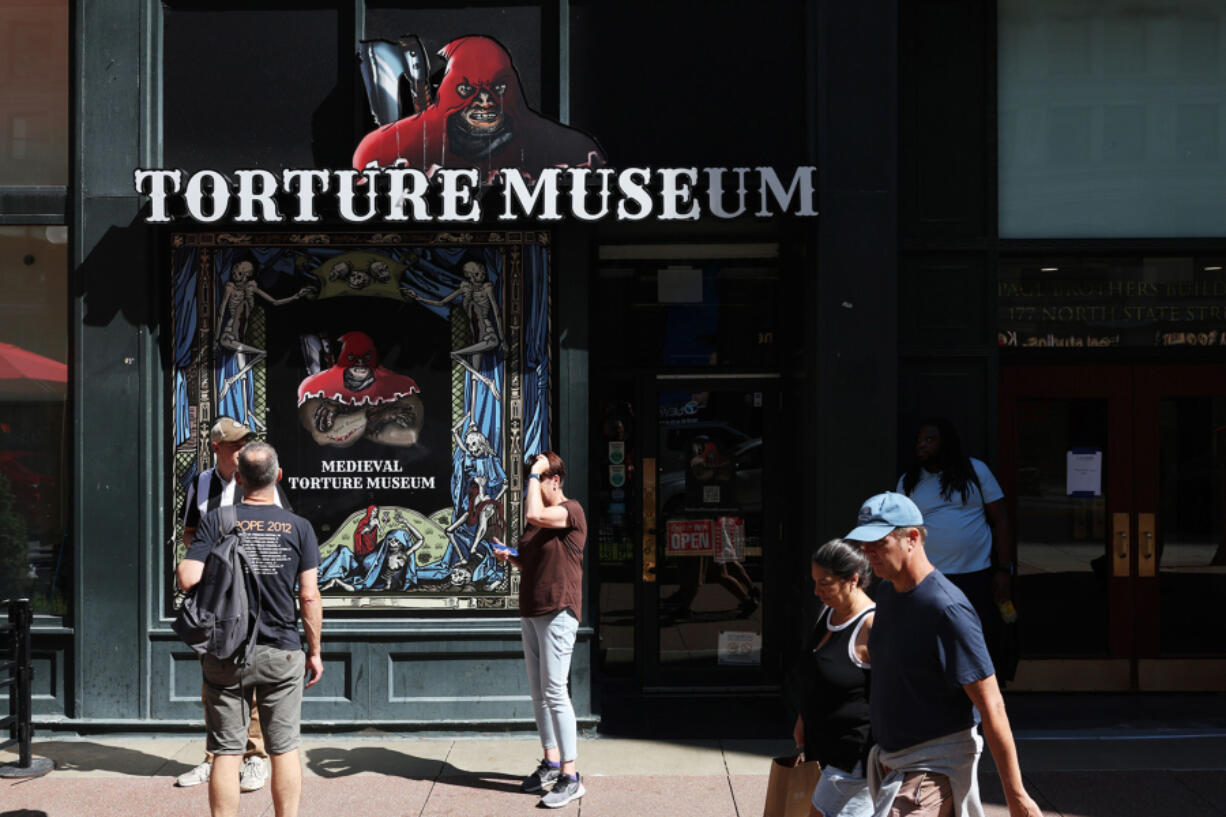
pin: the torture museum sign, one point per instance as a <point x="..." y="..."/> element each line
<point x="402" y="194"/>
<point x="465" y="147"/>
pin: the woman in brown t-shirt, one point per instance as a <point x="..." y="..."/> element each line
<point x="550" y="560"/>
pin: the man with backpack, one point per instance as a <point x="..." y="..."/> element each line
<point x="215" y="488"/>
<point x="277" y="550"/>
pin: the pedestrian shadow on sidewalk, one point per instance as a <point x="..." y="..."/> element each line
<point x="87" y="756"/>
<point x="23" y="812"/>
<point x="332" y="762"/>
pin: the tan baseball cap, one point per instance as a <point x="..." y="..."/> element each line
<point x="229" y="430"/>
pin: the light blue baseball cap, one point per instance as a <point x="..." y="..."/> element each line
<point x="881" y="514"/>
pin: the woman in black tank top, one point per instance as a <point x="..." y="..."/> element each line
<point x="833" y="724"/>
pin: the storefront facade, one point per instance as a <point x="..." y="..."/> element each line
<point x="725" y="390"/>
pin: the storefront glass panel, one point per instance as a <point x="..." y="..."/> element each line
<point x="257" y="90"/>
<point x="709" y="492"/>
<point x="1111" y="119"/>
<point x="1191" y="551"/>
<point x="34" y="550"/>
<point x="1061" y="551"/>
<point x="616" y="513"/>
<point x="1099" y="303"/>
<point x="720" y="313"/>
<point x="34" y="93"/>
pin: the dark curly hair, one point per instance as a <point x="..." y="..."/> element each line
<point x="957" y="472"/>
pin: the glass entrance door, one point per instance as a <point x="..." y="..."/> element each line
<point x="686" y="528"/>
<point x="1115" y="477"/>
<point x="711" y="527"/>
<point x="1180" y="462"/>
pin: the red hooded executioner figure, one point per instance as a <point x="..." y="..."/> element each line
<point x="479" y="119"/>
<point x="358" y="398"/>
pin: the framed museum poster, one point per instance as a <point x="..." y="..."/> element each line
<point x="403" y="379"/>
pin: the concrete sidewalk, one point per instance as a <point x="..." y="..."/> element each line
<point x="390" y="776"/>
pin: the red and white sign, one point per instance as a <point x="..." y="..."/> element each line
<point x="740" y="648"/>
<point x="690" y="537"/>
<point x="731" y="544"/>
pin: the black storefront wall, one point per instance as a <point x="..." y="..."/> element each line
<point x="121" y="663"/>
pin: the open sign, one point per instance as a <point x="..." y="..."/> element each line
<point x="690" y="537"/>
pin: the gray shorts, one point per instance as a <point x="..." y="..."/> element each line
<point x="275" y="677"/>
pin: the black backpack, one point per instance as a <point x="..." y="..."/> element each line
<point x="219" y="615"/>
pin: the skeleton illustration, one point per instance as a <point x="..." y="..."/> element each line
<point x="237" y="302"/>
<point x="474" y="440"/>
<point x="402" y="544"/>
<point x="375" y="563"/>
<point x="480" y="511"/>
<point x="481" y="308"/>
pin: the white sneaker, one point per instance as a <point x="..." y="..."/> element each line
<point x="252" y="774"/>
<point x="196" y="776"/>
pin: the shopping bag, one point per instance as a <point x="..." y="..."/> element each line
<point x="789" y="790"/>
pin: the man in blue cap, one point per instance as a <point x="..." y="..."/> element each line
<point x="932" y="679"/>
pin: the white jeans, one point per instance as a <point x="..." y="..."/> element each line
<point x="549" y="641"/>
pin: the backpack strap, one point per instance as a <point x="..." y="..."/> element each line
<point x="255" y="602"/>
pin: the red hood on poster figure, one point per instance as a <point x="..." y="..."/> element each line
<point x="357" y="398"/>
<point x="479" y="119"/>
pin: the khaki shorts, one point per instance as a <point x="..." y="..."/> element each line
<point x="924" y="794"/>
<point x="275" y="677"/>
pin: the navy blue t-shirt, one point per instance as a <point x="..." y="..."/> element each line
<point x="925" y="645"/>
<point x="280" y="546"/>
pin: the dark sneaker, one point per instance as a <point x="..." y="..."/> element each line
<point x="542" y="777"/>
<point x="565" y="790"/>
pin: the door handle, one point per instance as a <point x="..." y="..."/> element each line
<point x="1119" y="544"/>
<point x="648" y="544"/>
<point x="1147" y="531"/>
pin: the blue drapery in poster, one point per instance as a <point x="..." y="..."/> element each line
<point x="536" y="352"/>
<point x="184" y="335"/>
<point x="434" y="277"/>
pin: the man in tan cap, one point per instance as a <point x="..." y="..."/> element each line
<point x="214" y="488"/>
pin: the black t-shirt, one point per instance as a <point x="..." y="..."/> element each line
<point x="280" y="546"/>
<point x="925" y="645"/>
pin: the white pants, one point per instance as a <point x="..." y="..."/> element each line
<point x="549" y="641"/>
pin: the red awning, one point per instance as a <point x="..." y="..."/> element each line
<point x="25" y="375"/>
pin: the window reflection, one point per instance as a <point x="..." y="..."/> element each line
<point x="33" y="432"/>
<point x="1061" y="539"/>
<point x="1191" y="552"/>
<point x="34" y="92"/>
<point x="720" y="314"/>
<point x="709" y="492"/>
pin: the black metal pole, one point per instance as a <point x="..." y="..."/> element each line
<point x="25" y="669"/>
<point x="14" y="640"/>
<point x="20" y="687"/>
